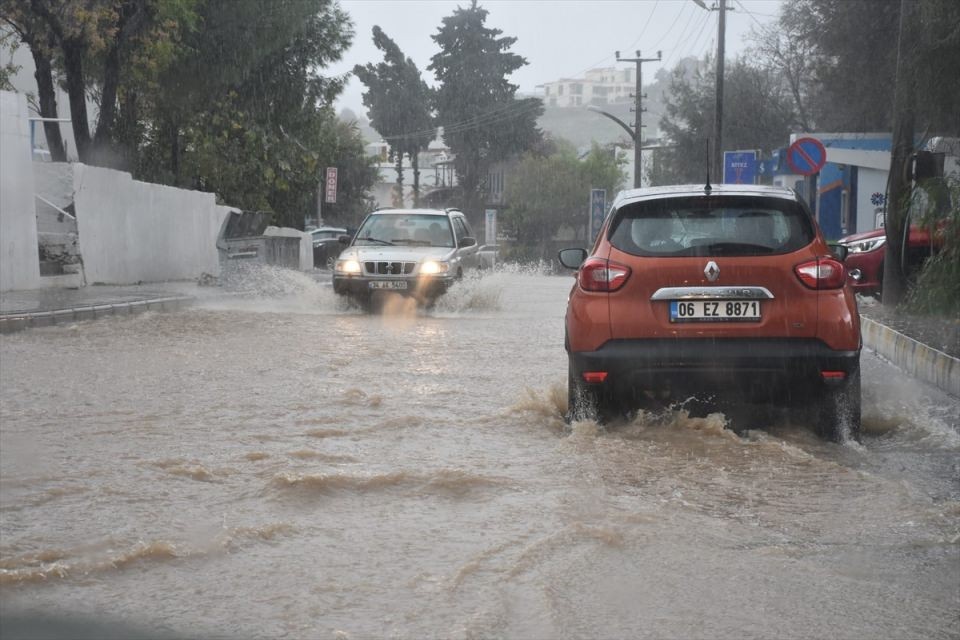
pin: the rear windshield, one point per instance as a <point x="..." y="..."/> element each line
<point x="711" y="226"/>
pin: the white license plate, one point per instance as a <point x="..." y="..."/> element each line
<point x="392" y="285"/>
<point x="714" y="310"/>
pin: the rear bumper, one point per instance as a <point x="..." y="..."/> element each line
<point x="423" y="287"/>
<point x="763" y="369"/>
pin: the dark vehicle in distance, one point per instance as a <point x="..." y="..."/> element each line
<point x="728" y="290"/>
<point x="326" y="245"/>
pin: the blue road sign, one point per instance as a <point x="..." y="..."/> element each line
<point x="598" y="209"/>
<point x="806" y="156"/>
<point x="740" y="167"/>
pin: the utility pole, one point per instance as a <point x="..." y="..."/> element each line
<point x="718" y="123"/>
<point x="717" y="169"/>
<point x="638" y="109"/>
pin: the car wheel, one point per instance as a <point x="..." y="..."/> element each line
<point x="331" y="261"/>
<point x="838" y="410"/>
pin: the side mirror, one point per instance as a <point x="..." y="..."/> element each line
<point x="839" y="251"/>
<point x="572" y="258"/>
<point x="344" y="239"/>
<point x="467" y="241"/>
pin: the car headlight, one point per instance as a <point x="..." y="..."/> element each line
<point x="347" y="266"/>
<point x="433" y="267"/>
<point x="864" y="246"/>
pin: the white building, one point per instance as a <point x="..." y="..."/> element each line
<point x="599" y="87"/>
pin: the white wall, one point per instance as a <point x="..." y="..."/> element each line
<point x="134" y="231"/>
<point x="19" y="255"/>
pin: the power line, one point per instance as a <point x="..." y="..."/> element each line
<point x="676" y="52"/>
<point x="670" y="28"/>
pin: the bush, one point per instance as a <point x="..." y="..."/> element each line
<point x="936" y="289"/>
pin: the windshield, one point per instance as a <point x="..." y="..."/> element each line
<point x="406" y="229"/>
<point x="711" y="226"/>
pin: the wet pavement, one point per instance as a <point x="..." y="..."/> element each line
<point x="274" y="463"/>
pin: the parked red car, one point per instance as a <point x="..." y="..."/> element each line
<point x="866" y="252"/>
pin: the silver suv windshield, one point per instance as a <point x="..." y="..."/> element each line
<point x="711" y="226"/>
<point x="406" y="229"/>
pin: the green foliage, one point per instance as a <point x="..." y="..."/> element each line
<point x="476" y="104"/>
<point x="840" y="57"/>
<point x="8" y="42"/>
<point x="757" y="108"/>
<point x="936" y="289"/>
<point x="222" y="95"/>
<point x="550" y="193"/>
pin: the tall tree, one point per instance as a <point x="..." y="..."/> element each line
<point x="398" y="105"/>
<point x="483" y="121"/>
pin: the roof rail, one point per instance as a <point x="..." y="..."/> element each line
<point x="449" y="209"/>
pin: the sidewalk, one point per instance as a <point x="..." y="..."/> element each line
<point x="46" y="307"/>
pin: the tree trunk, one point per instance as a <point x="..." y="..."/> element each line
<point x="399" y="201"/>
<point x="76" y="91"/>
<point x="108" y="97"/>
<point x="894" y="279"/>
<point x="415" y="160"/>
<point x="173" y="132"/>
<point x="48" y="101"/>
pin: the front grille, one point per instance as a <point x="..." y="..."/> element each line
<point x="372" y="268"/>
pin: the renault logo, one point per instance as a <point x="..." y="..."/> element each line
<point x="712" y="271"/>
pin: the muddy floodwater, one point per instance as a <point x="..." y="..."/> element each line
<point x="272" y="464"/>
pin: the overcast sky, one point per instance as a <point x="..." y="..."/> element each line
<point x="559" y="38"/>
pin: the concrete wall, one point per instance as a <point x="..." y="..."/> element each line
<point x="19" y="256"/>
<point x="134" y="231"/>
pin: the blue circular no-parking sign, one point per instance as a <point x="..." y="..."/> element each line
<point x="806" y="156"/>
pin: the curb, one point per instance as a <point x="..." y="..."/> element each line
<point x="917" y="359"/>
<point x="19" y="321"/>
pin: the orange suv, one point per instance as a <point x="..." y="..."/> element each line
<point x="729" y="290"/>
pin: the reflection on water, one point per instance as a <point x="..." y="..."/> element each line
<point x="274" y="462"/>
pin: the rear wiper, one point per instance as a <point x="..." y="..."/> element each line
<point x="378" y="240"/>
<point x="732" y="248"/>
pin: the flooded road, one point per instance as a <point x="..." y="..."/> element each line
<point x="281" y="466"/>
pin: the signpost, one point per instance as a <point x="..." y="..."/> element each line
<point x="490" y="218"/>
<point x="806" y="156"/>
<point x="740" y="167"/>
<point x="331" y="186"/>
<point x="598" y="206"/>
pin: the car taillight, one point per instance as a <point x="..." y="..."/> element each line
<point x="822" y="273"/>
<point x="599" y="274"/>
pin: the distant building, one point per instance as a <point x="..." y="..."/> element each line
<point x="598" y="87"/>
<point x="437" y="176"/>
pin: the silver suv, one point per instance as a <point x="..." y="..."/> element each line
<point x="414" y="252"/>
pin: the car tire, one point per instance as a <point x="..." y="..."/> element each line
<point x="837" y="412"/>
